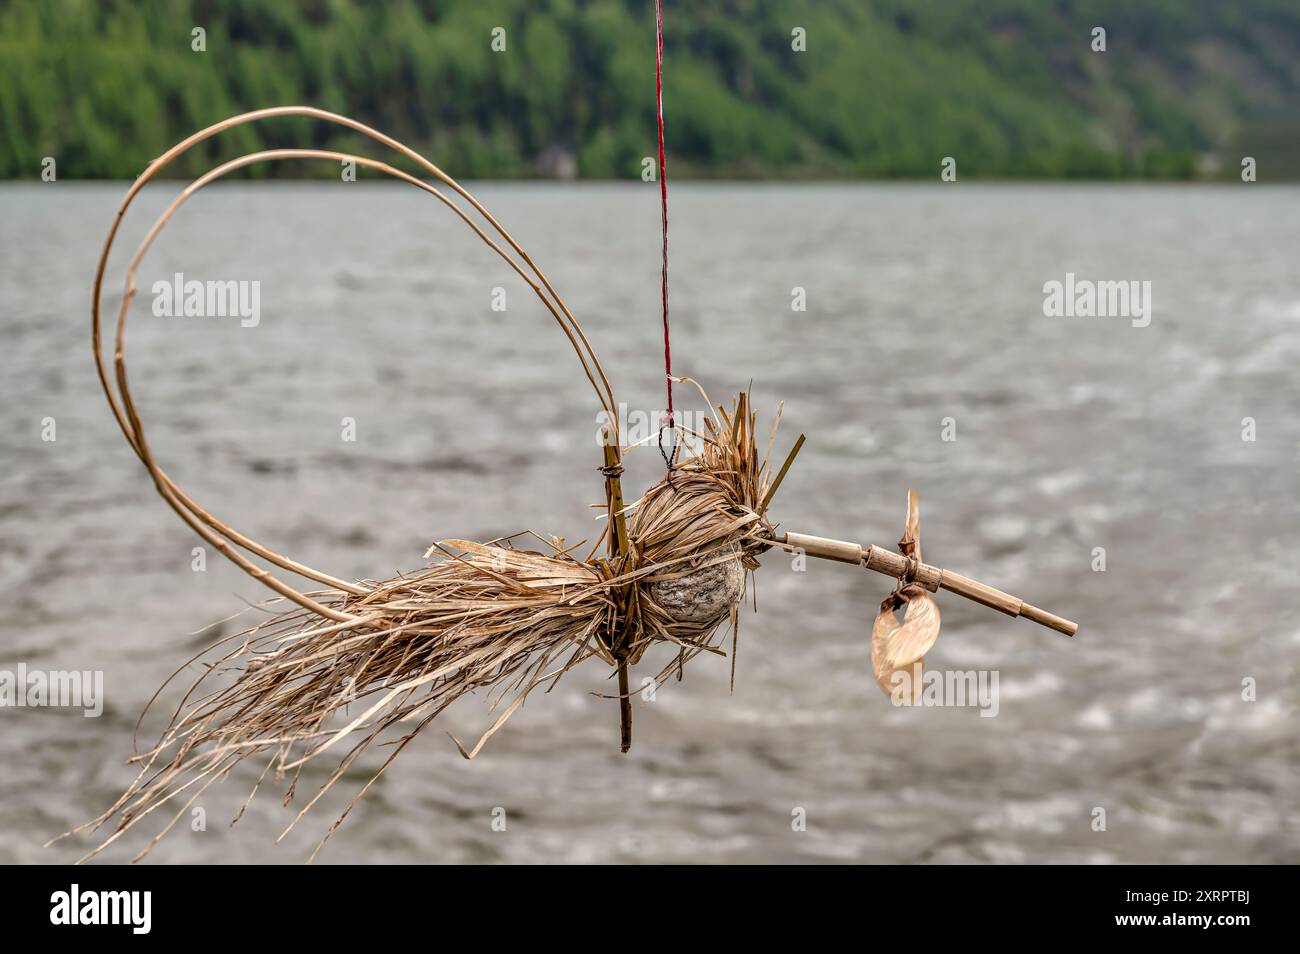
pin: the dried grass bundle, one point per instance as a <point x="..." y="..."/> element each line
<point x="480" y="616"/>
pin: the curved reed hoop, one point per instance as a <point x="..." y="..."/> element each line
<point x="213" y="530"/>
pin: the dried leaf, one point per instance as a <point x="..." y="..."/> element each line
<point x="896" y="646"/>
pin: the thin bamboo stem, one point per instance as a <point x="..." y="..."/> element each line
<point x="618" y="543"/>
<point x="886" y="561"/>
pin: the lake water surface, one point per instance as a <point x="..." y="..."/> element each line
<point x="924" y="312"/>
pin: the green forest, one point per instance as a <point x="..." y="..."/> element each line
<point x="783" y="89"/>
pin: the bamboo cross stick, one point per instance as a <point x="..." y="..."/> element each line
<point x="618" y="546"/>
<point x="931" y="577"/>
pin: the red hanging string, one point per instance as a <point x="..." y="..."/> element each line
<point x="663" y="198"/>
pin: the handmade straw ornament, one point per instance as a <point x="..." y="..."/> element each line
<point x="352" y="660"/>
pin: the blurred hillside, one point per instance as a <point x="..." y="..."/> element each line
<point x="1010" y="88"/>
